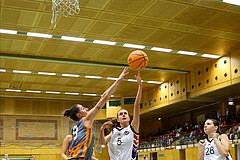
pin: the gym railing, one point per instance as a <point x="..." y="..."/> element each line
<point x="187" y="139"/>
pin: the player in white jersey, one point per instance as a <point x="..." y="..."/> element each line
<point x="215" y="146"/>
<point x="123" y="141"/>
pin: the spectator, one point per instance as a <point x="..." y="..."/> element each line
<point x="34" y="158"/>
<point x="145" y="158"/>
<point x="5" y="157"/>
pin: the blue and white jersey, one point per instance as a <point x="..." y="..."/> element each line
<point x="81" y="144"/>
<point x="123" y="144"/>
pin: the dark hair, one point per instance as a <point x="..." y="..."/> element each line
<point x="215" y="123"/>
<point x="72" y="112"/>
<point x="115" y="124"/>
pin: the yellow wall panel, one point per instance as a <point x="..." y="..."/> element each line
<point x="172" y="89"/>
<point x="192" y="81"/>
<point x="112" y="111"/>
<point x="175" y="88"/>
<point x="183" y="82"/>
<point x="191" y="153"/>
<point x="101" y="114"/>
<point x="220" y="70"/>
<point x="235" y="65"/>
<point x="40" y="107"/>
<point x="165" y="92"/>
<point x="203" y="76"/>
<point x="145" y="99"/>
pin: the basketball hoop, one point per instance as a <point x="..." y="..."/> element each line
<point x="65" y="8"/>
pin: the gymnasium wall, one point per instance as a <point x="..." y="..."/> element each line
<point x="202" y="79"/>
<point x="34" y="126"/>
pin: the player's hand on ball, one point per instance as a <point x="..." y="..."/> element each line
<point x="138" y="78"/>
<point x="124" y="73"/>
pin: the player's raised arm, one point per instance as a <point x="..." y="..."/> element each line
<point x="136" y="115"/>
<point x="106" y="95"/>
<point x="105" y="139"/>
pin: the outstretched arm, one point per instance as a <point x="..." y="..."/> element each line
<point x="65" y="146"/>
<point x="136" y="115"/>
<point x="105" y="139"/>
<point x="106" y="95"/>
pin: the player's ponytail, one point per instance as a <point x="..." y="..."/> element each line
<point x="67" y="113"/>
<point x="72" y="112"/>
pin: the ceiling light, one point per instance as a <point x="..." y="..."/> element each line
<point x="161" y="49"/>
<point x="46" y="73"/>
<point x="70" y="75"/>
<point x="111" y="78"/>
<point x="71" y="93"/>
<point x="235" y="2"/>
<point x="17" y="71"/>
<point x="13" y="90"/>
<point x="73" y="39"/>
<point x="187" y="53"/>
<point x="52" y="92"/>
<point x="95" y="77"/>
<point x="30" y="91"/>
<point x="133" y="46"/>
<point x="104" y="42"/>
<point x="154" y="82"/>
<point x="39" y="35"/>
<point x="132" y="80"/>
<point x="86" y="94"/>
<point x="210" y="56"/>
<point x="2" y="70"/>
<point x="8" y="31"/>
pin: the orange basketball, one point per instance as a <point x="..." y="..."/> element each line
<point x="137" y="60"/>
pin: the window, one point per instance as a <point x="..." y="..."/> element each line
<point x="114" y="103"/>
<point x="129" y="101"/>
<point x="150" y="102"/>
<point x="141" y="105"/>
<point x="104" y="107"/>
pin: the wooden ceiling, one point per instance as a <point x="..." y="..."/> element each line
<point x="202" y="26"/>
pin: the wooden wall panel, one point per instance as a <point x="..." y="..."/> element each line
<point x="191" y="153"/>
<point x="40" y="107"/>
<point x="2" y="105"/>
<point x="56" y="108"/>
<point x="183" y="82"/>
<point x="192" y="80"/>
<point x="145" y="99"/>
<point x="29" y="129"/>
<point x="235" y="66"/>
<point x="1" y="129"/>
<point x="22" y="106"/>
<point x="203" y="76"/>
<point x="165" y="92"/>
<point x="172" y="89"/>
<point x="219" y="68"/>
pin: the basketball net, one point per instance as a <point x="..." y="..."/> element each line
<point x="65" y="8"/>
